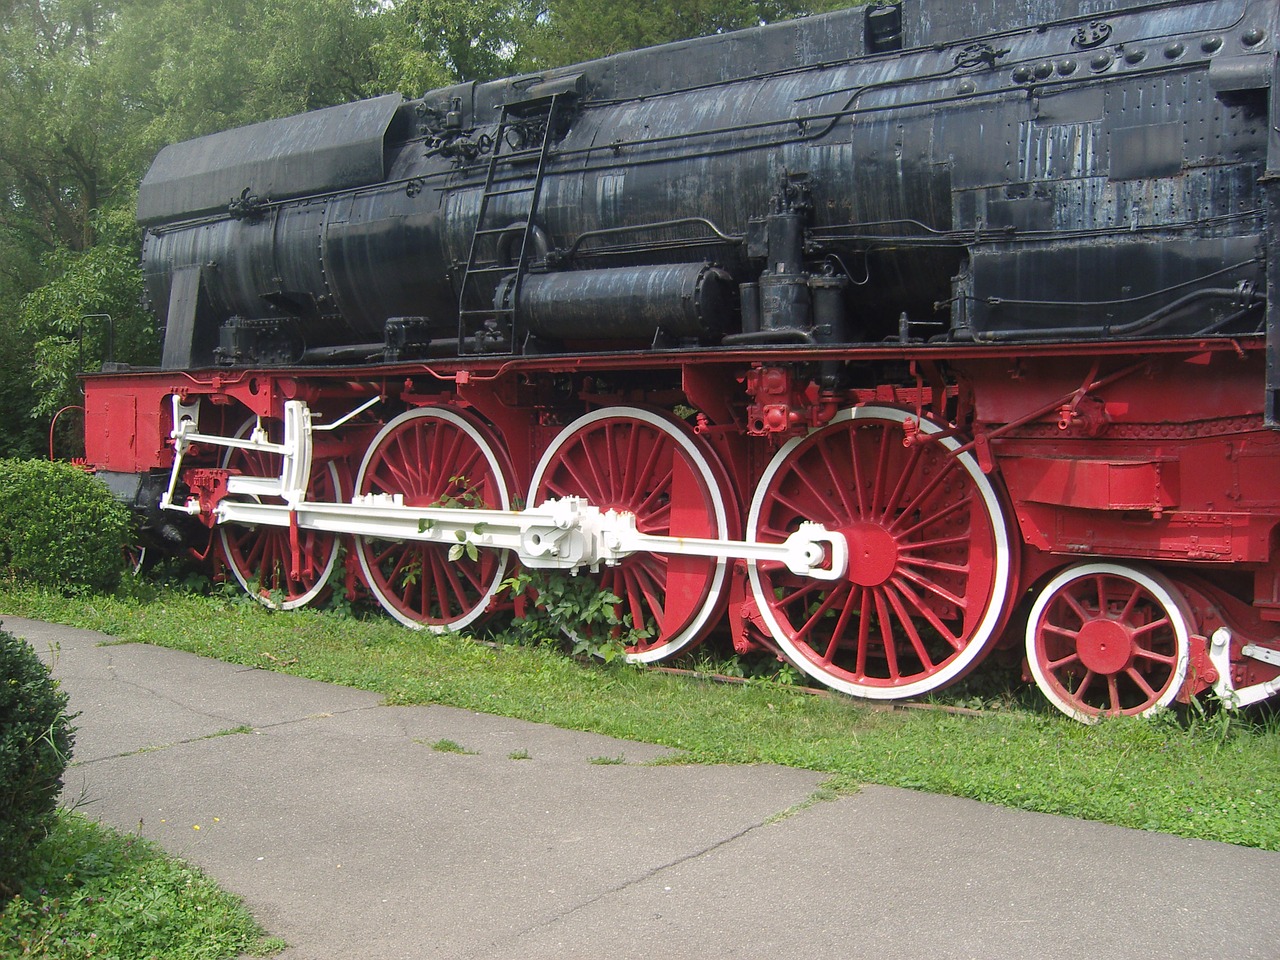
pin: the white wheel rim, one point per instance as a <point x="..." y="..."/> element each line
<point x="504" y="493"/>
<point x="710" y="483"/>
<point x="1002" y="562"/>
<point x="1165" y="594"/>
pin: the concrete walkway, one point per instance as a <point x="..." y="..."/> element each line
<point x="351" y="837"/>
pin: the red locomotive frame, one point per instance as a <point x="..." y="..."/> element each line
<point x="1122" y="504"/>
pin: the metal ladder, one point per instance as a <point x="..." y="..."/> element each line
<point x="483" y="325"/>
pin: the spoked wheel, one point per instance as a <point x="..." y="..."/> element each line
<point x="930" y="558"/>
<point x="1105" y="639"/>
<point x="434" y="457"/>
<point x="261" y="558"/>
<point x="648" y="464"/>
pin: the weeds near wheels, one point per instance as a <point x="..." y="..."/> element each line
<point x="570" y="610"/>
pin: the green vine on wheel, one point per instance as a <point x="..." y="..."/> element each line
<point x="465" y="498"/>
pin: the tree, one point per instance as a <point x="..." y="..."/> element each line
<point x="50" y="154"/>
<point x="476" y="40"/>
<point x="22" y="437"/>
<point x="93" y="89"/>
<point x="571" y="31"/>
<point x="89" y="309"/>
<point x="20" y="270"/>
<point x="208" y="67"/>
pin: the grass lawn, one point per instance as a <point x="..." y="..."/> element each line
<point x="94" y="892"/>
<point x="1215" y="777"/>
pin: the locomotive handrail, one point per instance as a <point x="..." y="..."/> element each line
<point x="1248" y="297"/>
<point x="907" y="51"/>
<point x="658" y="225"/>
<point x="831" y="118"/>
<point x="936" y="236"/>
<point x="1206" y="292"/>
<point x="835" y="116"/>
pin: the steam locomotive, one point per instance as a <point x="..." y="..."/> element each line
<point x="883" y="339"/>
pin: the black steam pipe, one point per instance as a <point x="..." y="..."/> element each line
<point x="1133" y="326"/>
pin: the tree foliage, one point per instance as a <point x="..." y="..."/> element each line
<point x="90" y="308"/>
<point x="570" y="31"/>
<point x="479" y="40"/>
<point x="93" y="88"/>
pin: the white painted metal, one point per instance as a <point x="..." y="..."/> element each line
<point x="1225" y="688"/>
<point x="294" y="451"/>
<point x="563" y="534"/>
<point x="250" y="428"/>
<point x="618" y="536"/>
<point x="1261" y="654"/>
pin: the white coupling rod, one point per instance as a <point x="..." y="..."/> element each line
<point x="563" y="534"/>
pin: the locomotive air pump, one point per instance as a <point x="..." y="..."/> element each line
<point x="561" y="534"/>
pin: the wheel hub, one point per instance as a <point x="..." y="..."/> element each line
<point x="1105" y="646"/>
<point x="873" y="554"/>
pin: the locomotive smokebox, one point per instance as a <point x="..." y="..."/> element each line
<point x="685" y="301"/>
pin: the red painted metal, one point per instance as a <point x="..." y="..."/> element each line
<point x="1110" y="642"/>
<point x="1167" y="461"/>
<point x="1151" y="454"/>
<point x="433" y="457"/>
<point x="127" y="423"/>
<point x="928" y="571"/>
<point x="631" y="461"/>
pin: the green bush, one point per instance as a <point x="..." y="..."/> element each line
<point x="35" y="744"/>
<point x="60" y="527"/>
